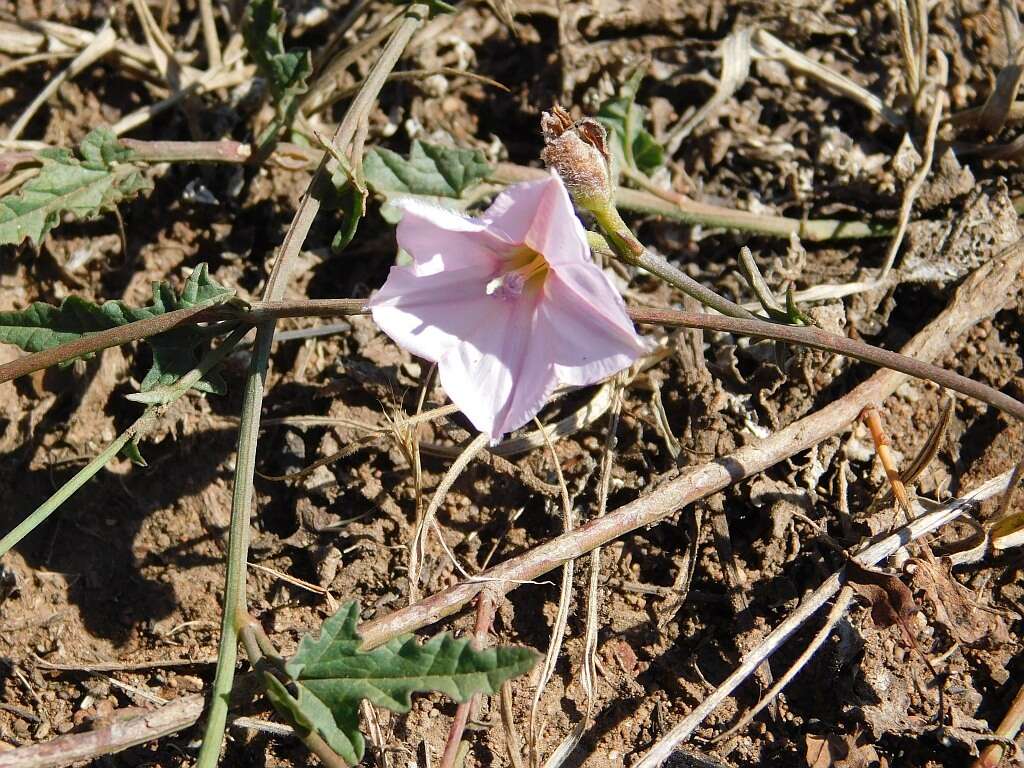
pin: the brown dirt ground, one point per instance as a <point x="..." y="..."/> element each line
<point x="130" y="570"/>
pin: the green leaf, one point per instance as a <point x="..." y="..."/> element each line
<point x="430" y="170"/>
<point x="351" y="201"/>
<point x="794" y="314"/>
<point x="175" y="352"/>
<point x="639" y="150"/>
<point x="132" y="453"/>
<point x="284" y="70"/>
<point x="82" y="187"/>
<point x="332" y="675"/>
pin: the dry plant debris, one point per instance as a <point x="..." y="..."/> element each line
<point x="836" y="180"/>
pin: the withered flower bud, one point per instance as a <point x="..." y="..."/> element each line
<point x="578" y="152"/>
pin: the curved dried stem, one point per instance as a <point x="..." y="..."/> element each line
<point x="564" y="601"/>
<point x="423" y="524"/>
<point x="867" y="556"/>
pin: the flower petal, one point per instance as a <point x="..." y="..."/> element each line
<point x="439" y="239"/>
<point x="430" y="313"/>
<point x="500" y="377"/>
<point x="588" y="332"/>
<point x="540" y="215"/>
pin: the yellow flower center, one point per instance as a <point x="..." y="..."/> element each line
<point x="524" y="269"/>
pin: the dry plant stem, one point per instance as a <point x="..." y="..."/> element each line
<point x="981" y="294"/>
<point x="769" y="46"/>
<point x="1011" y="24"/>
<point x="588" y="665"/>
<point x="911" y="61"/>
<point x="327" y="78"/>
<point x="512" y="741"/>
<point x="882" y="448"/>
<point x="120" y="735"/>
<point x="420" y="537"/>
<point x="914" y="185"/>
<point x="26" y="61"/>
<point x="1007" y="500"/>
<point x="838" y="611"/>
<point x="101" y="45"/>
<point x="412" y="74"/>
<point x="994" y="113"/>
<point x="869" y="555"/>
<point x="241" y="502"/>
<point x="485" y="606"/>
<point x="213" y="57"/>
<point x="1011" y="724"/>
<point x="691" y="212"/>
<point x="564" y="602"/>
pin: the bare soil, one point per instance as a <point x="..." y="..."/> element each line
<point x="131" y="569"/>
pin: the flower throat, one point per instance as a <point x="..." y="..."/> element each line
<point x="524" y="269"/>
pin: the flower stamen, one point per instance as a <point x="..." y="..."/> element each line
<point x="511" y="283"/>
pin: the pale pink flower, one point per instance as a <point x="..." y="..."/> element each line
<point x="509" y="305"/>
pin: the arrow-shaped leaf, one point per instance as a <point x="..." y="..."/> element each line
<point x="430" y="169"/>
<point x="441" y="175"/>
<point x="332" y="676"/>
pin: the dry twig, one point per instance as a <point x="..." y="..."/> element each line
<point x="981" y="294"/>
<point x="868" y="555"/>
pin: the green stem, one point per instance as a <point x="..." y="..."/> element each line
<point x="259" y="648"/>
<point x="241" y="502"/>
<point x="238" y="548"/>
<point x="142" y="425"/>
<point x="672" y="205"/>
<point x="632" y="251"/>
<point x="69" y="488"/>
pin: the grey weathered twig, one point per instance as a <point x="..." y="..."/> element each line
<point x="869" y="555"/>
<point x="119" y="735"/>
<point x="981" y="294"/>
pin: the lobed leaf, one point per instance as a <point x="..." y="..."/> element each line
<point x="646" y="153"/>
<point x="82" y="187"/>
<point x="332" y="675"/>
<point x="43" y="326"/>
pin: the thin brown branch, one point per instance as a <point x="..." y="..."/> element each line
<point x="838" y="611"/>
<point x="982" y="293"/>
<point x="94" y="342"/>
<point x="485" y="607"/>
<point x="883" y="448"/>
<point x="811" y="337"/>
